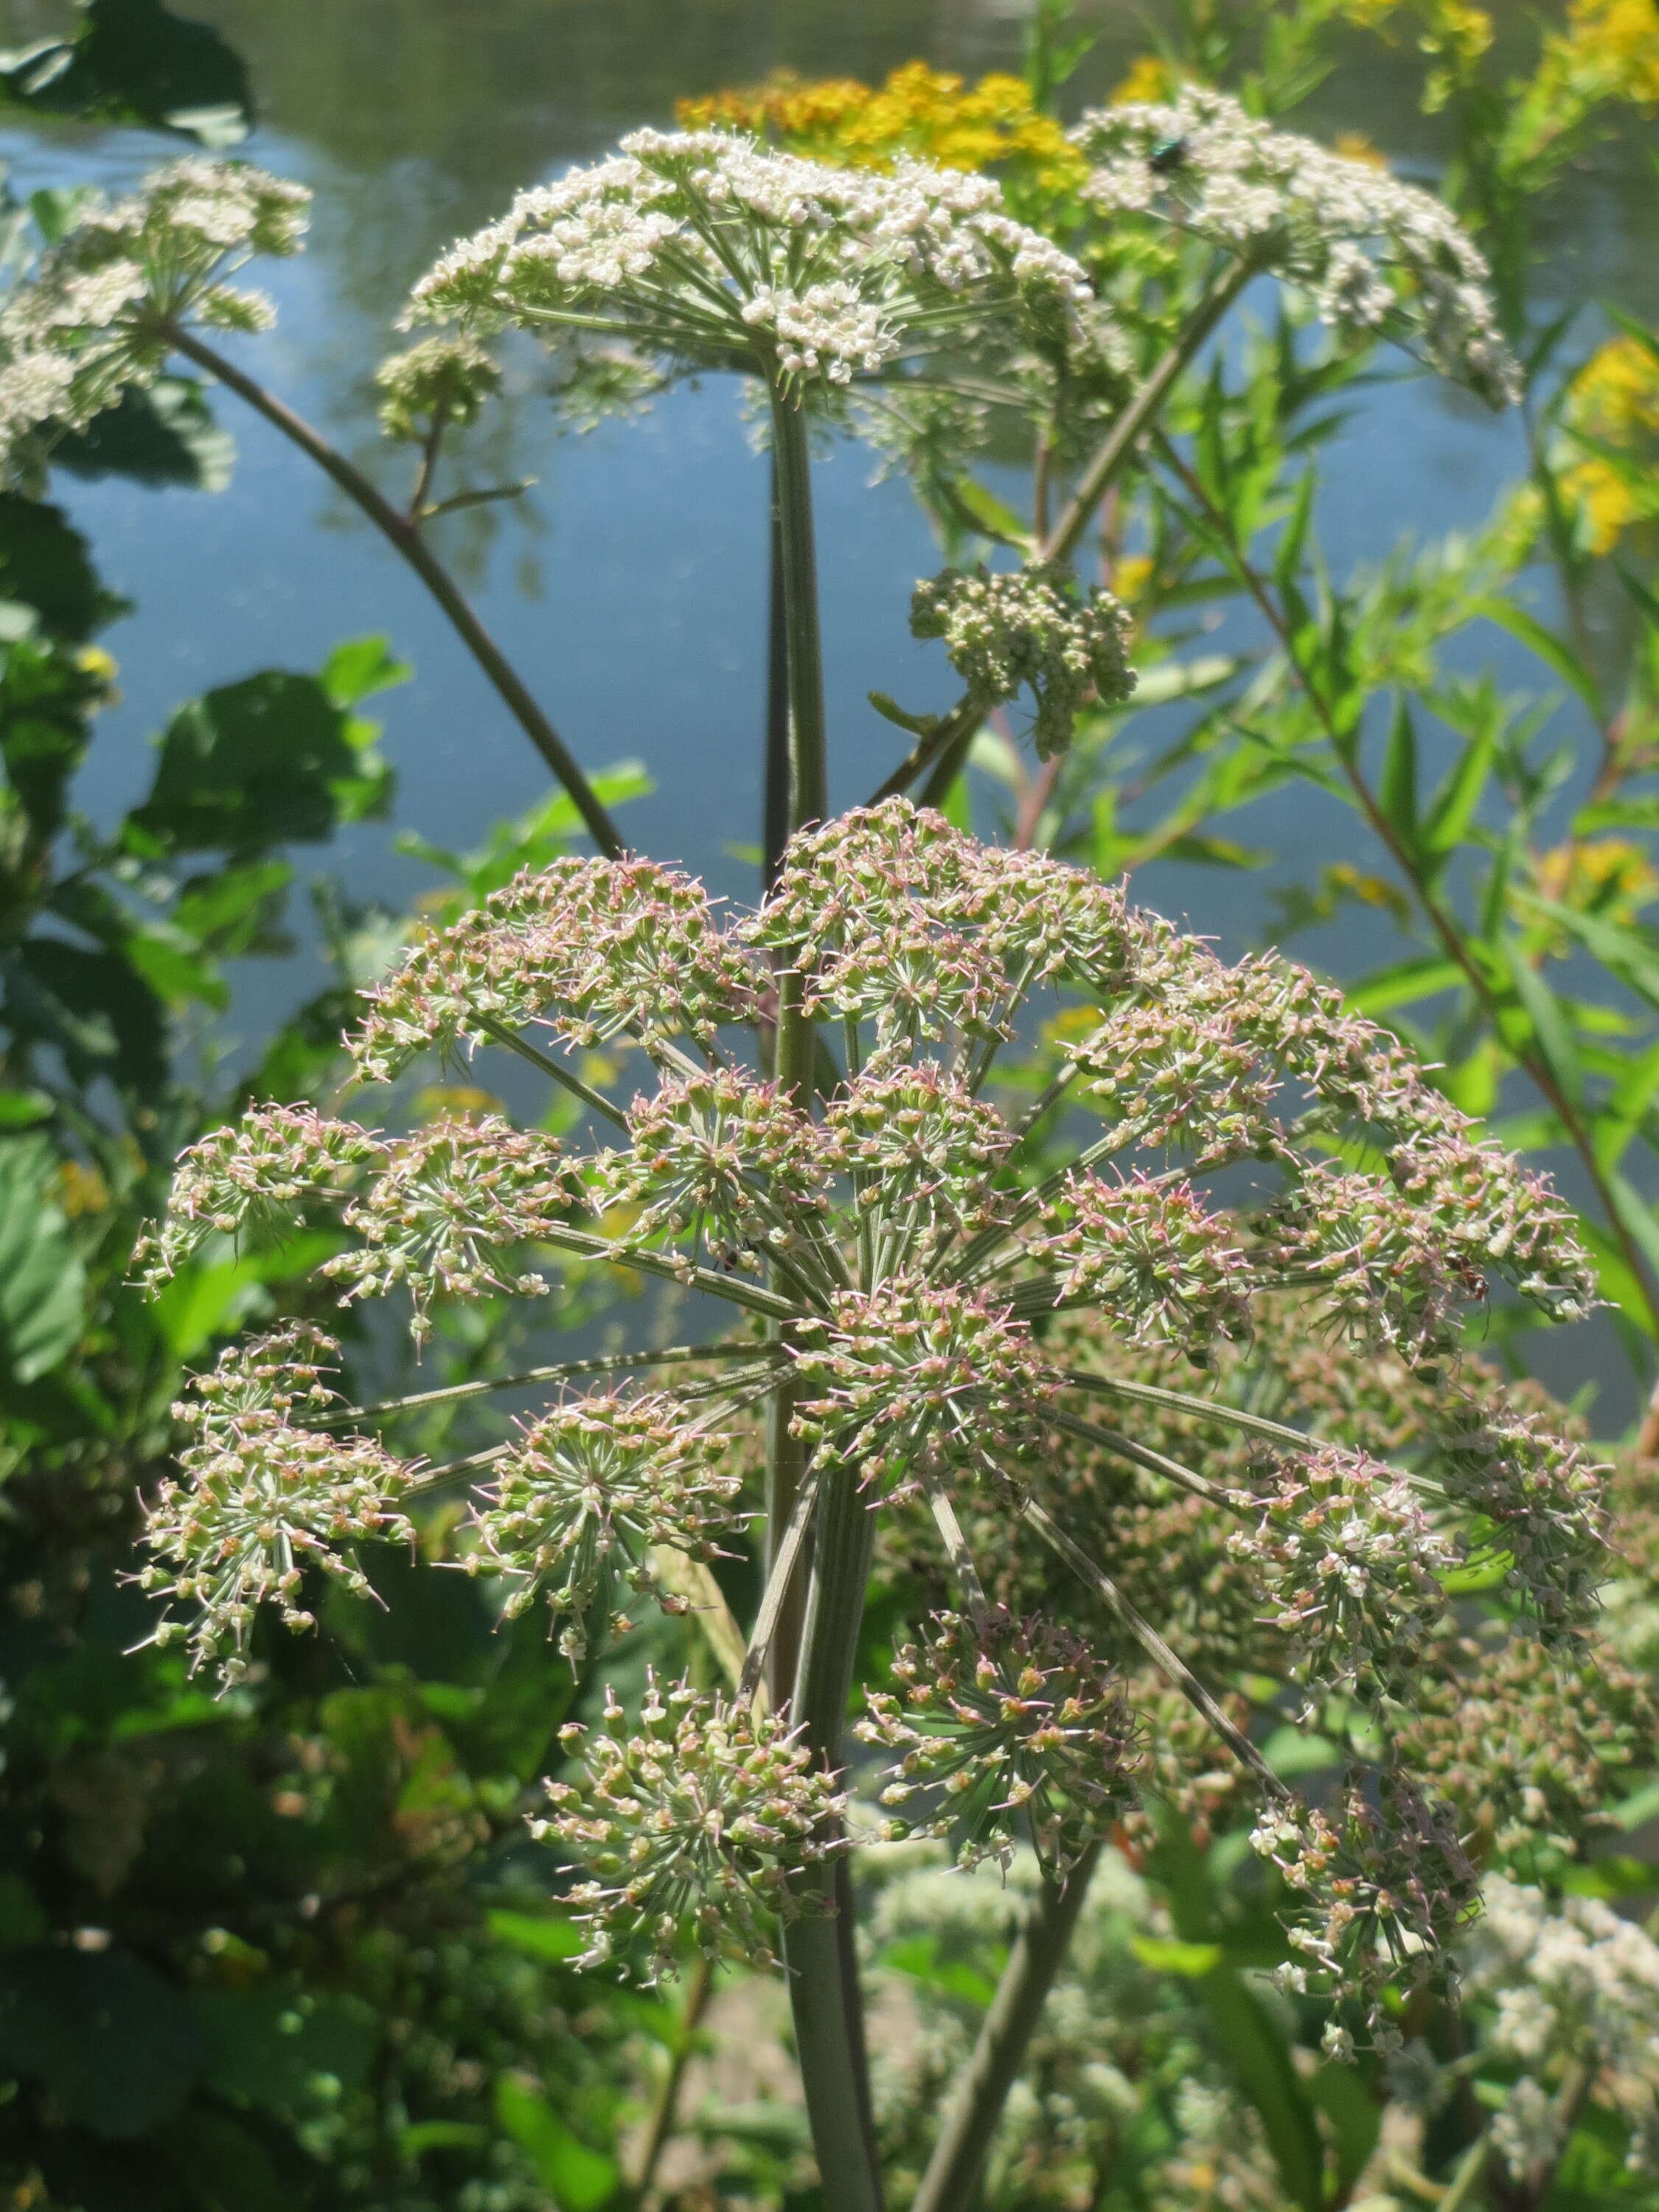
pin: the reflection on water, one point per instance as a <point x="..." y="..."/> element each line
<point x="629" y="586"/>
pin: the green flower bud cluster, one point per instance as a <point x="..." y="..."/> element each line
<point x="584" y="1492"/>
<point x="696" y="1822"/>
<point x="261" y="1497"/>
<point x="1031" y="628"/>
<point x="1004" y="1725"/>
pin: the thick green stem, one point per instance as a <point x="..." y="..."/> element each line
<point x="823" y="1979"/>
<point x="799" y="569"/>
<point x="823" y="1986"/>
<point x="774" y="804"/>
<point x="952" y="2178"/>
<point x="785" y="1455"/>
<point x="795" y="588"/>
<point x="403" y="532"/>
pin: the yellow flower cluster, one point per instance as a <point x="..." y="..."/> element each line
<point x="1614" y="401"/>
<point x="1149" y="82"/>
<point x="1609" y="50"/>
<point x="1615" y="395"/>
<point x="1454" y="34"/>
<point x="929" y="112"/>
<point x="1609" y="877"/>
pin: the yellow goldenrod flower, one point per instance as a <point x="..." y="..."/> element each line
<point x="1614" y="402"/>
<point x="1602" y="503"/>
<point x="82" y="1190"/>
<point x="1615" y="40"/>
<point x="1610" y="875"/>
<point x="1131" y="577"/>
<point x="1148" y="81"/>
<point x="928" y="112"/>
<point x="1458" y="34"/>
<point x="1615" y="395"/>
<point x="1355" y="146"/>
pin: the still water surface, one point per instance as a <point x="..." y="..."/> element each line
<point x="629" y="587"/>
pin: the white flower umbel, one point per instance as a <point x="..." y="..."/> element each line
<point x="1376" y="258"/>
<point x="1570" y="1984"/>
<point x="708" y="250"/>
<point x="95" y="315"/>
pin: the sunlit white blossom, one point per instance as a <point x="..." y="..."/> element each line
<point x="1376" y="258"/>
<point x="710" y="250"/>
<point x="96" y="314"/>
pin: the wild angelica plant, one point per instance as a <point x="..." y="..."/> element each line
<point x="818" y="1148"/>
<point x="912" y="1283"/>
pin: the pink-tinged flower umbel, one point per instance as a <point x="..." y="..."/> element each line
<point x="918" y="1277"/>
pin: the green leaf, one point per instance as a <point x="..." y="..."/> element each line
<point x="57" y="208"/>
<point x="1247" y="2035"/>
<point x="1488" y="1573"/>
<point x="360" y="666"/>
<point x="1208" y="851"/>
<point x="581" y="2178"/>
<point x="1550" y="1026"/>
<point x="134" y="61"/>
<point x="1636" y="1217"/>
<point x="204" y="1301"/>
<point x="22" y="1109"/>
<point x="233" y="910"/>
<point x="990" y="516"/>
<point x="541" y="1935"/>
<point x="1452" y="808"/>
<point x="1614" y="1875"/>
<point x="1397" y="791"/>
<point x="22" y="1920"/>
<point x="1617" y="1284"/>
<point x="541" y="834"/>
<point x="1633" y="955"/>
<point x="1549" y="648"/>
<point x="1404" y="985"/>
<point x="222" y="2163"/>
<point x="1165" y="1955"/>
<point x="919" y="1957"/>
<point x="42" y="1281"/>
<point x="917" y="726"/>
<point x="119" y="2047"/>
<point x="93" y="1008"/>
<point x="269" y="760"/>
<point x="284" y="2049"/>
<point x="1355" y="2116"/>
<point x="177" y="974"/>
<point x="423" y="2136"/>
<point x="1635" y="811"/>
<point x="1184" y="679"/>
<point x="1290" y="1751"/>
<point x="1637" y="1810"/>
<point x="45" y="565"/>
<point x="1288" y="554"/>
<point x="163" y="435"/>
<point x="1623" y="1112"/>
